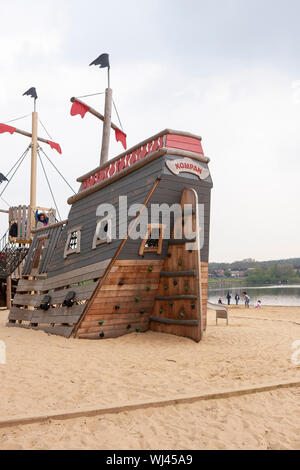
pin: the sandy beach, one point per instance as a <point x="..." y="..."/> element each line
<point x="47" y="374"/>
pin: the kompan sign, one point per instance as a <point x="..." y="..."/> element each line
<point x="187" y="165"/>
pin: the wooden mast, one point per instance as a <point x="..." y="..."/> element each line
<point x="106" y="126"/>
<point x="33" y="171"/>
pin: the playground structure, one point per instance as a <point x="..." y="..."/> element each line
<point x="78" y="283"/>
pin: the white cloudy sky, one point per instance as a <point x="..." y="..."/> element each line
<point x="225" y="69"/>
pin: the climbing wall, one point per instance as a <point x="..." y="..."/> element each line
<point x="124" y="300"/>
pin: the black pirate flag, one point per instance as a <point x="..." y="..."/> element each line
<point x="102" y="61"/>
<point x="31" y="92"/>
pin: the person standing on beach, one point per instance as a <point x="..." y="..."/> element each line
<point x="247" y="299"/>
<point x="237" y="298"/>
<point x="228" y="296"/>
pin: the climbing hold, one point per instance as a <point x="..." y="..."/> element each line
<point x="142" y="312"/>
<point x="166" y="288"/>
<point x="138" y="330"/>
<point x="169" y="255"/>
<point x="137" y="299"/>
<point x="161" y="311"/>
<point x="128" y="327"/>
<point x="175" y="283"/>
<point x="101" y="322"/>
<point x="171" y="304"/>
<point x="69" y="300"/>
<point x="193" y="306"/>
<point x="101" y="335"/>
<point x="117" y="307"/>
<point x="121" y="283"/>
<point x="148" y="288"/>
<point x="180" y="263"/>
<point x="181" y="315"/>
<point x="186" y="288"/>
<point x="45" y="305"/>
<point x="150" y="270"/>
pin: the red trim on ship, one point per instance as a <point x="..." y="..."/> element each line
<point x="181" y="142"/>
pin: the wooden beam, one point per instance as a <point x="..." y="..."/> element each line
<point x="106" y="126"/>
<point x="8" y="293"/>
<point x="28" y="134"/>
<point x="170" y="321"/>
<point x="94" y="112"/>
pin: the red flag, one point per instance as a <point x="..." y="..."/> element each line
<point x="79" y="108"/>
<point x="121" y="137"/>
<point x="54" y="146"/>
<point x="5" y="128"/>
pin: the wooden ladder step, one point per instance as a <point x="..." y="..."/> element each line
<point x="191" y="273"/>
<point x="169" y="321"/>
<point x="176" y="297"/>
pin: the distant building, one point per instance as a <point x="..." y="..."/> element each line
<point x="238" y="274"/>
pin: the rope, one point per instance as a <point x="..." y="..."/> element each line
<point x="5" y="202"/>
<point x="45" y="130"/>
<point x="17" y="119"/>
<point x="118" y="115"/>
<point x="94" y="94"/>
<point x="49" y="186"/>
<point x="57" y="170"/>
<point x="20" y="163"/>
<point x="14" y="165"/>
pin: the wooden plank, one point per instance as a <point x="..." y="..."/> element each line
<point x="176" y="297"/>
<point x="79" y="275"/>
<point x="20" y="314"/>
<point x="111" y="325"/>
<point x="168" y="321"/>
<point x="93" y="320"/>
<point x="168" y="274"/>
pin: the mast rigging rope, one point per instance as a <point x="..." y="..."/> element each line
<point x="57" y="170"/>
<point x="49" y="186"/>
<point x="20" y="163"/>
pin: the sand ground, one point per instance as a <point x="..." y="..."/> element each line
<point x="48" y="374"/>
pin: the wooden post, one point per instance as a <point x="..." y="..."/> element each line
<point x="106" y="126"/>
<point x="8" y="293"/>
<point x="34" y="146"/>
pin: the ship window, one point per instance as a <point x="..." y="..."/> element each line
<point x="73" y="241"/>
<point x="103" y="232"/>
<point x="152" y="243"/>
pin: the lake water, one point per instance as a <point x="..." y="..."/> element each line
<point x="269" y="295"/>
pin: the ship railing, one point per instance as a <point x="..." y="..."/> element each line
<point x="24" y="220"/>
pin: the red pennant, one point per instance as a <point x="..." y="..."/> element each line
<point x="5" y="128"/>
<point x="54" y="146"/>
<point x="79" y="108"/>
<point x="121" y="137"/>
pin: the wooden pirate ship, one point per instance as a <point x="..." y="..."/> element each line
<point x="89" y="278"/>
